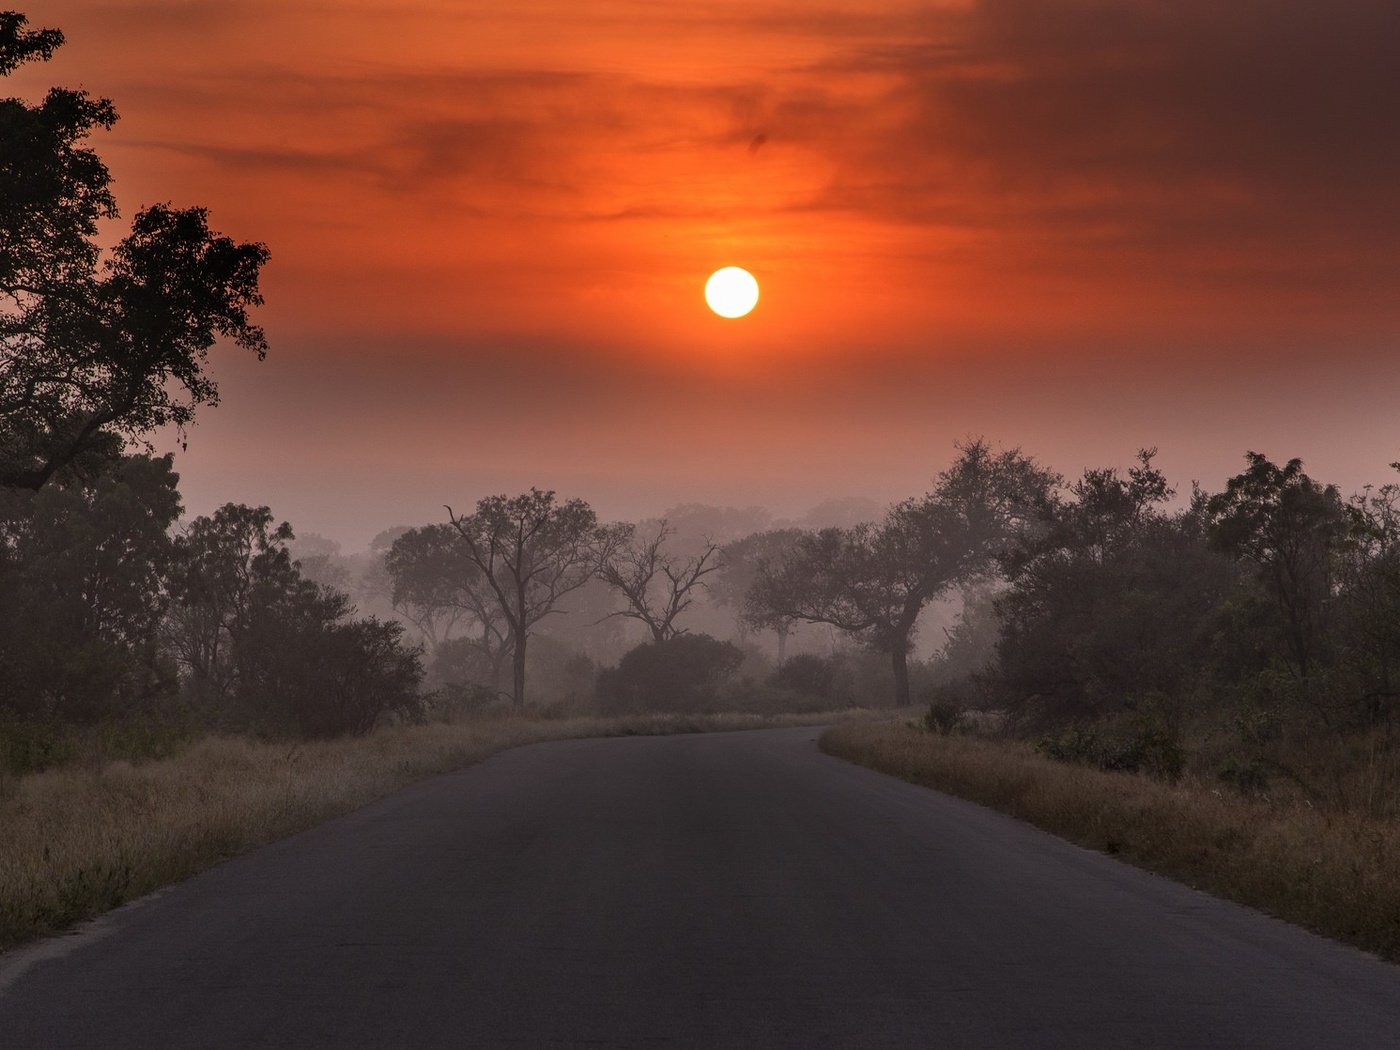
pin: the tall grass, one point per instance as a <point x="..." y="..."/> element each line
<point x="83" y="838"/>
<point x="1335" y="872"/>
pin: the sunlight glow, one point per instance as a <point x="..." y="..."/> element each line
<point x="731" y="292"/>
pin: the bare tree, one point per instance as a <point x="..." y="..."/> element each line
<point x="531" y="551"/>
<point x="657" y="586"/>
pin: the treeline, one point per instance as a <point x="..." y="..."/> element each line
<point x="111" y="614"/>
<point x="1259" y="623"/>
<point x="1251" y="634"/>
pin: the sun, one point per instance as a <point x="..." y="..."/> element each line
<point x="731" y="292"/>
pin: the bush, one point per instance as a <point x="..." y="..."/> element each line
<point x="30" y="747"/>
<point x="942" y="717"/>
<point x="304" y="670"/>
<point x="825" y="679"/>
<point x="1249" y="777"/>
<point x="1151" y="748"/>
<point x="682" y="674"/>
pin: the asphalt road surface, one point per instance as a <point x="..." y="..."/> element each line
<point x="737" y="889"/>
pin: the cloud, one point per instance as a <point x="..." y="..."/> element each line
<point x="1245" y="153"/>
<point x="1142" y="125"/>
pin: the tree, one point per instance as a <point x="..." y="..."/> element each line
<point x="1368" y="572"/>
<point x="439" y="589"/>
<point x="657" y="586"/>
<point x="307" y="666"/>
<point x="262" y="643"/>
<point x="1109" y="606"/>
<point x="320" y="560"/>
<point x="739" y="566"/>
<point x="1288" y="527"/>
<point x="532" y="551"/>
<point x="872" y="581"/>
<point x="222" y="566"/>
<point x="81" y="602"/>
<point x="96" y="353"/>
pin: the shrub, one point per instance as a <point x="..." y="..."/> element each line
<point x="683" y="673"/>
<point x="1249" y="777"/>
<point x="942" y="717"/>
<point x="1151" y="748"/>
<point x="304" y="670"/>
<point x="825" y="679"/>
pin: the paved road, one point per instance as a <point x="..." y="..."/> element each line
<point x="723" y="890"/>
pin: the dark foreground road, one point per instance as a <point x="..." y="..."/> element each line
<point x="708" y="891"/>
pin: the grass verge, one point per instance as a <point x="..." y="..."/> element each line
<point x="79" y="840"/>
<point x="1334" y="873"/>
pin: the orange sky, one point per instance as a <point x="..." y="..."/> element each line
<point x="1081" y="227"/>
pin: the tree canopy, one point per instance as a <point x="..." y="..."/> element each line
<point x="97" y="352"/>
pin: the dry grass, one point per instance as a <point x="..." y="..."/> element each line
<point x="1336" y="873"/>
<point x="80" y="840"/>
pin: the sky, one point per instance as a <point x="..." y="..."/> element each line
<point x="1081" y="227"/>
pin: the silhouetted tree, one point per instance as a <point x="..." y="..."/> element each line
<point x="1110" y="607"/>
<point x="221" y="565"/>
<point x="95" y="353"/>
<point x="81" y="567"/>
<point x="1369" y="576"/>
<point x="307" y="666"/>
<point x="1288" y="527"/>
<point x="532" y="551"/>
<point x="261" y="642"/>
<point x="873" y="581"/>
<point x="658" y="586"/>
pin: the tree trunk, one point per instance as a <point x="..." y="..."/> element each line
<point x="899" y="658"/>
<point x="518" y="695"/>
<point x="782" y="646"/>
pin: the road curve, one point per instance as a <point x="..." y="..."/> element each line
<point x="737" y="889"/>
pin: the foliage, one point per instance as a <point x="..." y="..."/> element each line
<point x="1288" y="527"/>
<point x="1150" y="747"/>
<point x="741" y="562"/>
<point x="872" y="581"/>
<point x="92" y="353"/>
<point x="222" y="566"/>
<point x="441" y="591"/>
<point x="683" y="673"/>
<point x="942" y="716"/>
<point x="1109" y="604"/>
<point x="263" y="646"/>
<point x="1367" y="570"/>
<point x="81" y="565"/>
<point x="308" y="669"/>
